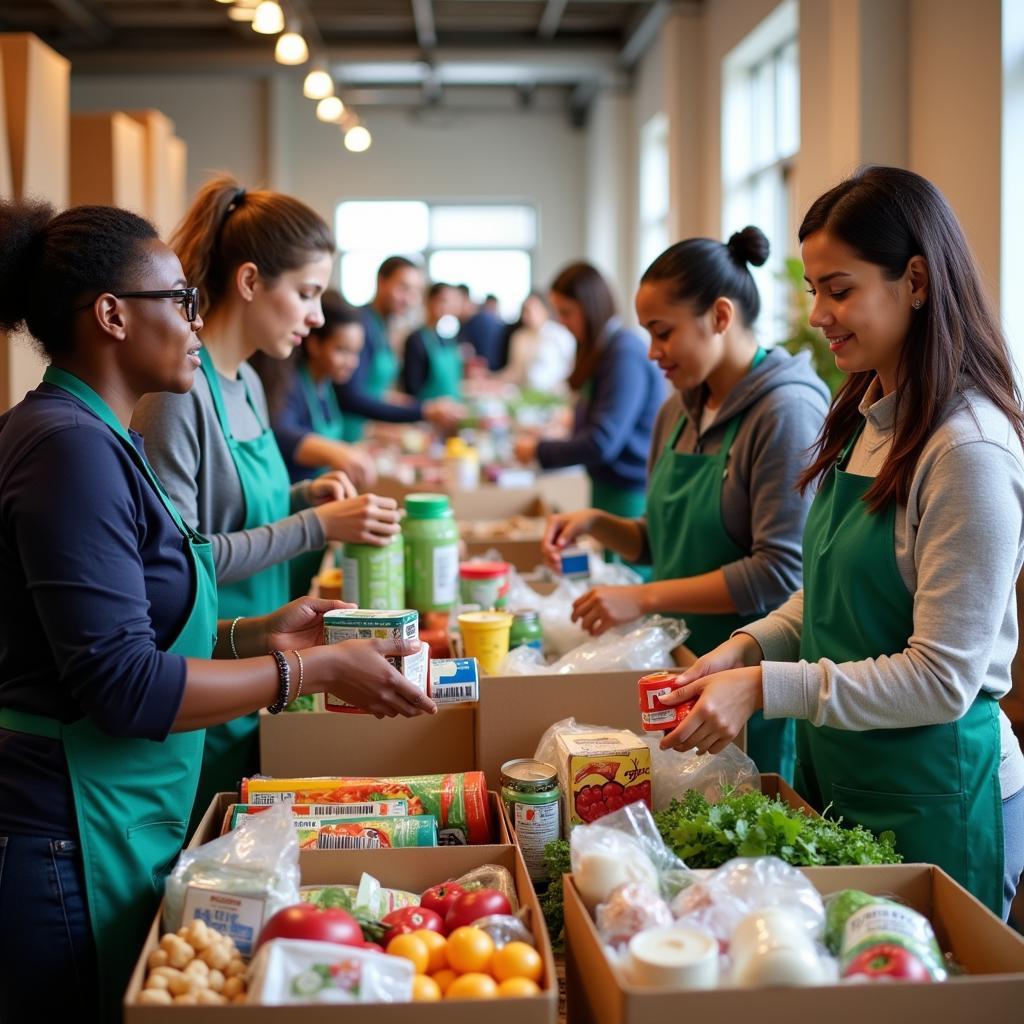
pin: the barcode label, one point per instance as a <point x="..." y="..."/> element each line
<point x="387" y="808"/>
<point x="268" y="799"/>
<point x="453" y="693"/>
<point x="327" y="841"/>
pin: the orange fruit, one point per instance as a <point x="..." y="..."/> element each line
<point x="517" y="960"/>
<point x="444" y="979"/>
<point x="514" y="988"/>
<point x="437" y="948"/>
<point x="425" y="990"/>
<point x="411" y="948"/>
<point x="473" y="986"/>
<point x="470" y="950"/>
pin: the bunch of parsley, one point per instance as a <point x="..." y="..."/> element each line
<point x="556" y="863"/>
<point x="706" y="835"/>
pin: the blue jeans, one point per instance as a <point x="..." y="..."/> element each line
<point x="1013" y="847"/>
<point x="47" y="956"/>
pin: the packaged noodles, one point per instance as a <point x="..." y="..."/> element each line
<point x="366" y="833"/>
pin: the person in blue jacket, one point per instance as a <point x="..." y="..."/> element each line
<point x="365" y="396"/>
<point x="484" y="330"/>
<point x="308" y="421"/>
<point x="620" y="392"/>
<point x="112" y="659"/>
<point x="433" y="362"/>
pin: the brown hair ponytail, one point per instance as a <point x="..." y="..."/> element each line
<point x="227" y="226"/>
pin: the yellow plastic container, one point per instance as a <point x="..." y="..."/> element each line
<point x="485" y="637"/>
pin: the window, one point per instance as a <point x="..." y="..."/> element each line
<point x="760" y="140"/>
<point x="486" y="246"/>
<point x="654" y="190"/>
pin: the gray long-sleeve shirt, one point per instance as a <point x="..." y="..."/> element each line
<point x="959" y="545"/>
<point x="190" y="455"/>
<point x="783" y="403"/>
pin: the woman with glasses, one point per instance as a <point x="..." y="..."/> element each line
<point x="108" y="617"/>
<point x="261" y="261"/>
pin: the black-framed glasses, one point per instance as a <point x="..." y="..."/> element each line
<point x="189" y="299"/>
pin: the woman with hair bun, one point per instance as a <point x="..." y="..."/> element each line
<point x="108" y="617"/>
<point x="261" y="261"/>
<point x="724" y="520"/>
<point x="894" y="655"/>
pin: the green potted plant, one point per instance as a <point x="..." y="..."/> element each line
<point x="802" y="337"/>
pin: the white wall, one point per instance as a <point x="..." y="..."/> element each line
<point x="266" y="132"/>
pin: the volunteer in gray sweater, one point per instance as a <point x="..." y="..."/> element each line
<point x="896" y="652"/>
<point x="261" y="261"/>
<point x="724" y="518"/>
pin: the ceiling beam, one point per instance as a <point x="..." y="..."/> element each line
<point x="83" y="17"/>
<point x="426" y="31"/>
<point x="551" y="18"/>
<point x="644" y="32"/>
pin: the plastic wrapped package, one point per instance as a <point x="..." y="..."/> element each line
<point x="674" y="773"/>
<point x="624" y="848"/>
<point x="719" y="901"/>
<point x="640" y="646"/>
<point x="491" y="876"/>
<point x="630" y="909"/>
<point x="237" y="881"/>
<point x="290" y="972"/>
<point x="505" y="928"/>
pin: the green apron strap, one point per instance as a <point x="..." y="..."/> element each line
<point x="33" y="725"/>
<point x="444" y="367"/>
<point x="313" y="406"/>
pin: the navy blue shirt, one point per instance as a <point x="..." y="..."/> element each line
<point x="353" y="396"/>
<point x="293" y="421"/>
<point x="487" y="334"/>
<point x="416" y="368"/>
<point x="96" y="582"/>
<point x="612" y="431"/>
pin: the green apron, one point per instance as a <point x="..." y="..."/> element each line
<point x="381" y="376"/>
<point x="304" y="567"/>
<point x="232" y="749"/>
<point x="132" y="796"/>
<point x="444" y="367"/>
<point x="687" y="538"/>
<point x="936" y="786"/>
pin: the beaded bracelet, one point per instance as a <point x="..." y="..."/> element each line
<point x="298" y="692"/>
<point x="231" y="635"/>
<point x="284" y="672"/>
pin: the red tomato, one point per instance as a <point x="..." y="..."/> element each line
<point x="411" y="919"/>
<point x="306" y="921"/>
<point x="887" y="960"/>
<point x="440" y="898"/>
<point x="471" y="906"/>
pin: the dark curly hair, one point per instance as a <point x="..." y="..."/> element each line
<point x="51" y="264"/>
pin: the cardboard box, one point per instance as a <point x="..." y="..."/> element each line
<point x="158" y="169"/>
<point x="410" y="869"/>
<point x="325" y="743"/>
<point x="108" y="161"/>
<point x="175" y="200"/>
<point x="990" y="951"/>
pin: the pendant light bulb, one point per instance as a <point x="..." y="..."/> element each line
<point x="357" y="139"/>
<point x="318" y="85"/>
<point x="268" y="19"/>
<point x="240" y="13"/>
<point x="330" y="109"/>
<point x="225" y="1"/>
<point x="291" y="49"/>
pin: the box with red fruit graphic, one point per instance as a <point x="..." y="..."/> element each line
<point x="602" y="771"/>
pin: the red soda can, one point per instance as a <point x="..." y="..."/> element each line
<point x="655" y="716"/>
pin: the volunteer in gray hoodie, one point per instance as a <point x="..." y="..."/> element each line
<point x="724" y="518"/>
<point x="897" y="650"/>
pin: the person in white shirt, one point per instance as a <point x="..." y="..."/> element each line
<point x="540" y="352"/>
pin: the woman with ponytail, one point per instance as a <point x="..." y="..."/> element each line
<point x="897" y="650"/>
<point x="108" y="617"/>
<point x="724" y="520"/>
<point x="261" y="261"/>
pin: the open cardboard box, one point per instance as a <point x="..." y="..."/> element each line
<point x="214" y="823"/>
<point x="410" y="869"/>
<point x="312" y="743"/>
<point x="991" y="952"/>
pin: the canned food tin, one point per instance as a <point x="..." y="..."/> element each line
<point x="529" y="789"/>
<point x="655" y="716"/>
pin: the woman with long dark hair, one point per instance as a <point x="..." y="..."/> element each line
<point x="724" y="521"/>
<point x="619" y="391"/>
<point x="897" y="650"/>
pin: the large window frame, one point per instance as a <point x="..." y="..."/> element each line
<point x="761" y="77"/>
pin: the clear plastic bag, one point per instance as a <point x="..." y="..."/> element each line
<point x="622" y="848"/>
<point x="719" y="901"/>
<point x="629" y="910"/>
<point x="674" y="773"/>
<point x="256" y="864"/>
